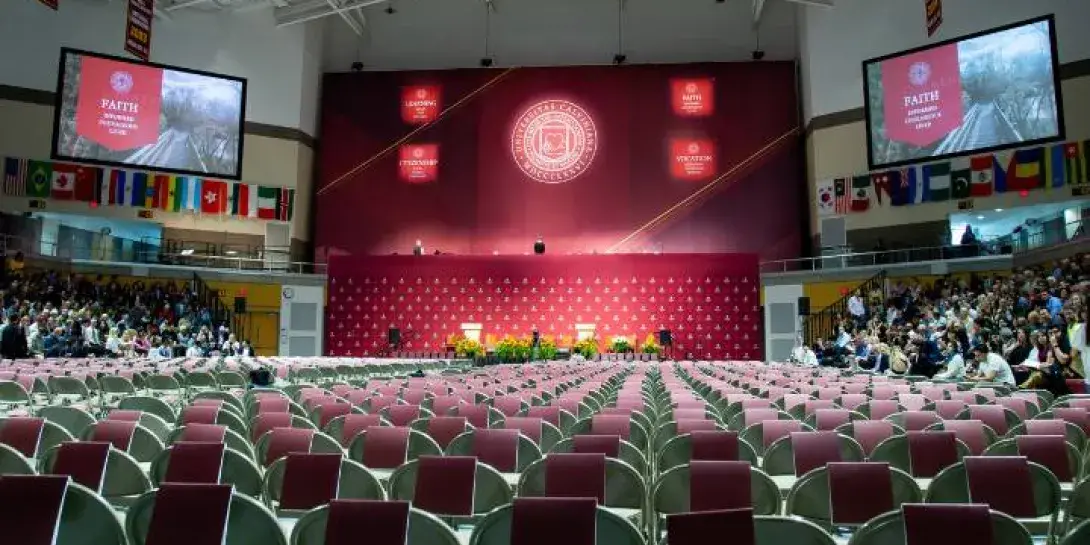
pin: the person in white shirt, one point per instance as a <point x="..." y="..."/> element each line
<point x="991" y="367"/>
<point x="856" y="308"/>
<point x="954" y="370"/>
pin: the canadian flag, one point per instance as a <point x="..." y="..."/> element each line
<point x="64" y="182"/>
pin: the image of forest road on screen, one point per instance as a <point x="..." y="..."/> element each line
<point x="984" y="92"/>
<point x="148" y="116"/>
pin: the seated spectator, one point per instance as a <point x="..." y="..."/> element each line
<point x="991" y="367"/>
<point x="13" y="341"/>
<point x="955" y="368"/>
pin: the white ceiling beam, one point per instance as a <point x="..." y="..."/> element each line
<point x="347" y="17"/>
<point x="816" y="3"/>
<point x="309" y="11"/>
<point x="181" y="4"/>
<point x="758" y="10"/>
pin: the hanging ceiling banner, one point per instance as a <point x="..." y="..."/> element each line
<point x="933" y="9"/>
<point x="138" y="28"/>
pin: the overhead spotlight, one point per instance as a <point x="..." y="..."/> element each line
<point x="720" y="1"/>
<point x="390" y="10"/>
<point x="486" y="62"/>
<point x="357" y="66"/>
<point x="619" y="58"/>
<point x="758" y="54"/>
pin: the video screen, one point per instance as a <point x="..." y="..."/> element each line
<point x="984" y="92"/>
<point x="118" y="112"/>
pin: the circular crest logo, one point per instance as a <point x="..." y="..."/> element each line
<point x="121" y="81"/>
<point x="919" y="73"/>
<point x="694" y="147"/>
<point x="421" y="93"/>
<point x="554" y="141"/>
<point x="690" y="88"/>
<point x="418" y="153"/>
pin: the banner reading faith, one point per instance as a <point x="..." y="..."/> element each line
<point x="119" y="103"/>
<point x="693" y="97"/>
<point x="922" y="95"/>
<point x="138" y="28"/>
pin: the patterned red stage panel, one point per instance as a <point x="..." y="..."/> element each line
<point x="709" y="301"/>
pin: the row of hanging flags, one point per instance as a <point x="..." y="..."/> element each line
<point x="147" y="191"/>
<point x="1046" y="168"/>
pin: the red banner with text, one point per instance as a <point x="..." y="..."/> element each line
<point x="420" y="104"/>
<point x="119" y="103"/>
<point x="693" y="97"/>
<point x="418" y="163"/>
<point x="922" y="94"/>
<point x="692" y="158"/>
<point x="138" y="28"/>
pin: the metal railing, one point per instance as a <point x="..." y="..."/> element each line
<point x="823" y="324"/>
<point x="886" y="257"/>
<point x="1046" y="234"/>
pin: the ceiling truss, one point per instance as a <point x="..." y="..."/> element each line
<point x="291" y="12"/>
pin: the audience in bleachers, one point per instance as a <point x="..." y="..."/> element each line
<point x="1026" y="328"/>
<point x="51" y="314"/>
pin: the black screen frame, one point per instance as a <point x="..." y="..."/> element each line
<point x="1056" y="82"/>
<point x="56" y="155"/>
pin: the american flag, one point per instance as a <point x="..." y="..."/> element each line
<point x="15" y="171"/>
<point x="842" y="196"/>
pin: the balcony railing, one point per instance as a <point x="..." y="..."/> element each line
<point x="886" y="257"/>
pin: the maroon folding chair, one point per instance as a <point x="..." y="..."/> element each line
<point x="383" y="522"/>
<point x="189" y="513"/>
<point x="858" y="492"/>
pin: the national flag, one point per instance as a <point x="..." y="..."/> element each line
<point x="102" y="189"/>
<point x="15" y="171"/>
<point x="1075" y="163"/>
<point x="983" y="175"/>
<point x="936" y="181"/>
<point x="64" y="182"/>
<point x="191" y="194"/>
<point x="167" y="195"/>
<point x="179" y="193"/>
<point x="1055" y="167"/>
<point x="276" y="203"/>
<point x="842" y="202"/>
<point x="39" y="179"/>
<point x="961" y="183"/>
<point x="213" y="197"/>
<point x="243" y="201"/>
<point x="880" y="181"/>
<point x="88" y="183"/>
<point x="118" y="195"/>
<point x="158" y="192"/>
<point x="138" y="193"/>
<point x="1024" y="171"/>
<point x="902" y="184"/>
<point x="825" y="206"/>
<point x="860" y="193"/>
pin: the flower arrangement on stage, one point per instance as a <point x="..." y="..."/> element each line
<point x="587" y="347"/>
<point x="620" y="345"/>
<point x="546" y="349"/>
<point x="467" y="348"/>
<point x="649" y="345"/>
<point x="510" y="349"/>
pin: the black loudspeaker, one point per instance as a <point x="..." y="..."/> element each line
<point x="393" y="336"/>
<point x="240" y="305"/>
<point x="539" y="247"/>
<point x="804" y="306"/>
<point x="665" y="338"/>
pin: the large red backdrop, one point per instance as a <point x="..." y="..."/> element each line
<point x="710" y="302"/>
<point x="701" y="158"/>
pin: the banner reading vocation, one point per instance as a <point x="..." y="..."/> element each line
<point x="420" y="104"/>
<point x="692" y="159"/>
<point x="693" y="97"/>
<point x="922" y="95"/>
<point x="138" y="28"/>
<point x="418" y="163"/>
<point x="119" y="103"/>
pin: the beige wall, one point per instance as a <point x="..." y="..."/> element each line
<point x="26" y="131"/>
<point x="841" y="150"/>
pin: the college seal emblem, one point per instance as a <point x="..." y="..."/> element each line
<point x="554" y="141"/>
